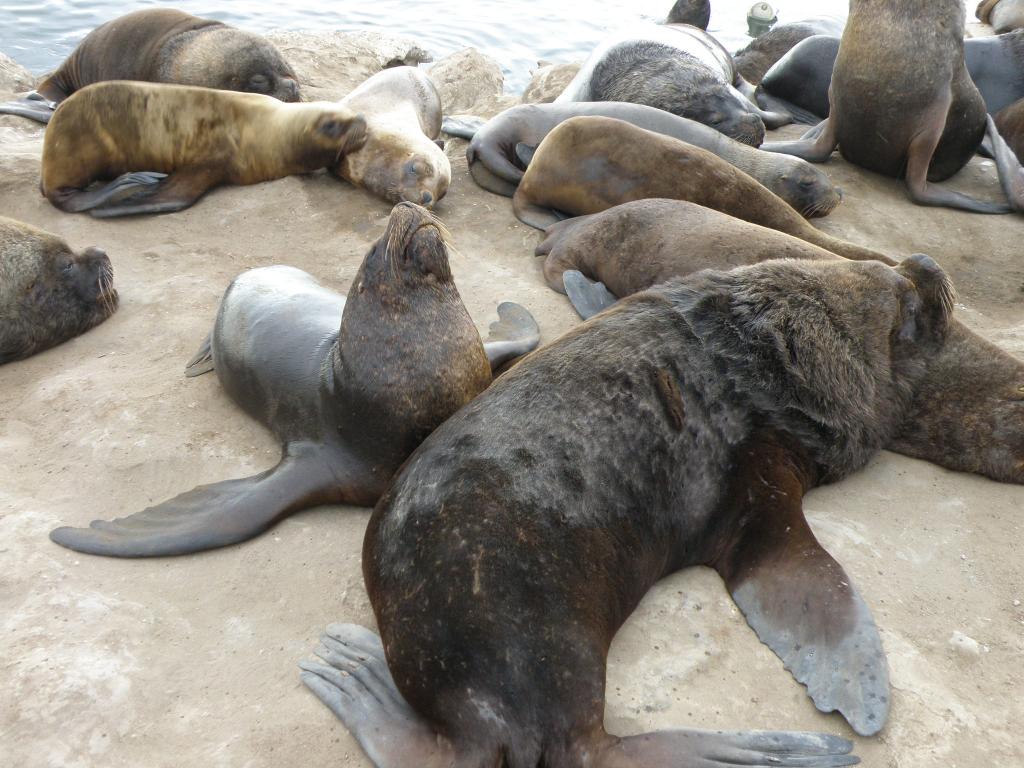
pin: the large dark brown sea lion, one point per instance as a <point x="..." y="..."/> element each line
<point x="161" y="45"/>
<point x="799" y="82"/>
<point x="589" y="164"/>
<point x="348" y="405"/>
<point x="696" y="13"/>
<point x="677" y="68"/>
<point x="969" y="411"/>
<point x="166" y="145"/>
<point x="503" y="144"/>
<point x="400" y="159"/>
<point x="763" y="51"/>
<point x="927" y="121"/>
<point x="681" y="428"/>
<point x="48" y="293"/>
<point x="1003" y="15"/>
<point x="1010" y="122"/>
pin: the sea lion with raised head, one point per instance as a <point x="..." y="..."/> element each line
<point x="930" y="118"/>
<point x="164" y="146"/>
<point x="1003" y="15"/>
<point x="162" y="45"/>
<point x="681" y="428"/>
<point x="401" y="159"/>
<point x="677" y="68"/>
<point x="968" y="415"/>
<point x="504" y="143"/>
<point x="48" y="293"/>
<point x="348" y="405"/>
<point x="589" y="164"/>
<point x="763" y="51"/>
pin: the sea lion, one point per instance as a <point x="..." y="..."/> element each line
<point x="677" y="68"/>
<point x="168" y="144"/>
<point x="799" y="82"/>
<point x="967" y="415"/>
<point x="503" y="143"/>
<point x="696" y="13"/>
<point x="762" y="52"/>
<point x="48" y="293"/>
<point x="161" y="45"/>
<point x="681" y="428"/>
<point x="400" y="159"/>
<point x="589" y="164"/>
<point x="1003" y="15"/>
<point x="926" y="123"/>
<point x="348" y="405"/>
<point x="1010" y="122"/>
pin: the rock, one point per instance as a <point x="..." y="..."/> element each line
<point x="964" y="645"/>
<point x="14" y="78"/>
<point x="470" y="82"/>
<point x="330" y="64"/>
<point x="549" y="81"/>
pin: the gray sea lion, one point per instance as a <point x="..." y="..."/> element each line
<point x="681" y="428"/>
<point x="762" y="52"/>
<point x="696" y="13"/>
<point x="166" y="145"/>
<point x="498" y="149"/>
<point x="348" y="405"/>
<point x="799" y="82"/>
<point x="400" y="159"/>
<point x="161" y="45"/>
<point x="677" y="68"/>
<point x="589" y="164"/>
<point x="968" y="415"/>
<point x="48" y="293"/>
<point x="926" y="123"/>
<point x="1003" y="15"/>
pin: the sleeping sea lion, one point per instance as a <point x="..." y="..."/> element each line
<point x="162" y="45"/>
<point x="1003" y="15"/>
<point x="681" y="428"/>
<point x="762" y="52"/>
<point x="677" y="68"/>
<point x="927" y="121"/>
<point x="348" y="405"/>
<point x="589" y="164"/>
<point x="506" y="142"/>
<point x="400" y="159"/>
<point x="48" y="293"/>
<point x="166" y="145"/>
<point x="696" y="13"/>
<point x="968" y="415"/>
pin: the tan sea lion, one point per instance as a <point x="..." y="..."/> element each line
<point x="166" y="145"/>
<point x="348" y="405"/>
<point x="681" y="428"/>
<point x="968" y="414"/>
<point x="162" y="45"/>
<point x="1003" y="15"/>
<point x="48" y="293"/>
<point x="927" y="121"/>
<point x="589" y="164"/>
<point x="1010" y="122"/>
<point x="400" y="159"/>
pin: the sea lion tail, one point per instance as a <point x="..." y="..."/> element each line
<point x="202" y="361"/>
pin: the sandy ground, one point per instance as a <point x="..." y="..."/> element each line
<point x="192" y="660"/>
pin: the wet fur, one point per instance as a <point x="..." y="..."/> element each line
<point x="696" y="13"/>
<point x="762" y="52"/>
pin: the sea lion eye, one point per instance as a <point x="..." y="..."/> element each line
<point x="68" y="266"/>
<point x="333" y="129"/>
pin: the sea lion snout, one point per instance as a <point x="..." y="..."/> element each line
<point x="288" y="90"/>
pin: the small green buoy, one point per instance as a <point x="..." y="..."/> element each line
<point x="760" y="18"/>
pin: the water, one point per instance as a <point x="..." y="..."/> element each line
<point x="39" y="34"/>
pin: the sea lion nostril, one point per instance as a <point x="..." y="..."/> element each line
<point x="426" y="198"/>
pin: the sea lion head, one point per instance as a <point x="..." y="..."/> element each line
<point x="49" y="293"/>
<point x="830" y="352"/>
<point x="399" y="167"/>
<point x="412" y="252"/>
<point x="724" y="111"/>
<point x="809" y="190"/>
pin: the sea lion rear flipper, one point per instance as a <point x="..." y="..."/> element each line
<point x="1011" y="175"/>
<point x="513" y="335"/>
<point x="525" y="153"/>
<point x="774" y="104"/>
<point x="586" y="296"/>
<point x="216" y="515"/>
<point x="202" y="361"/>
<point x="814" y="150"/>
<point x="798" y="599"/>
<point x="32" y="105"/>
<point x="462" y="126"/>
<point x="357" y="687"/>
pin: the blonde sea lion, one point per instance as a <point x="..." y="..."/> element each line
<point x="166" y="145"/>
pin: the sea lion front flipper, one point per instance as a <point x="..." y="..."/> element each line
<point x="796" y="597"/>
<point x="535" y="216"/>
<point x="462" y="126"/>
<point x="357" y="687"/>
<point x="814" y="150"/>
<point x="216" y="515"/>
<point x="173" y="193"/>
<point x="512" y="335"/>
<point x="775" y="104"/>
<point x="1011" y="175"/>
<point x="525" y="153"/>
<point x="489" y="180"/>
<point x="586" y="296"/>
<point x="32" y="105"/>
<point x="202" y="361"/>
<point x="127" y="185"/>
